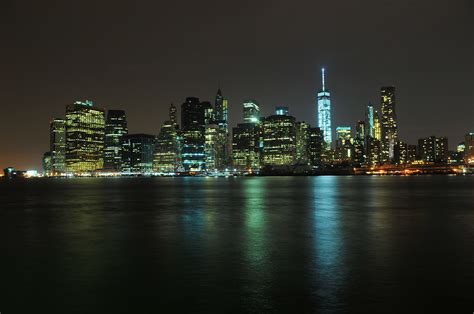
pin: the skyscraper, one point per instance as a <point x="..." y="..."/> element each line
<point x="245" y="146"/>
<point x="302" y="139"/>
<point x="377" y="126"/>
<point x="389" y="122"/>
<point x="173" y="114"/>
<point x="193" y="119"/>
<point x="400" y="153"/>
<point x="433" y="149"/>
<point x="167" y="148"/>
<point x="137" y="153"/>
<point x="115" y="129"/>
<point x="58" y="146"/>
<point x="219" y="106"/>
<point x="279" y="140"/>
<point x="315" y="146"/>
<point x="221" y="146"/>
<point x="324" y="112"/>
<point x="369" y="121"/>
<point x="251" y="111"/>
<point x="85" y="128"/>
<point x="192" y="113"/>
<point x="359" y="142"/>
<point x="469" y="148"/>
<point x="344" y="147"/>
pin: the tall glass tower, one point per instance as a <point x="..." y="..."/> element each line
<point x="324" y="112"/>
<point x="369" y="120"/>
<point x="389" y="122"/>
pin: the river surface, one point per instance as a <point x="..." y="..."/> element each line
<point x="327" y="244"/>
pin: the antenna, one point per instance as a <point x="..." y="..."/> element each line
<point x="324" y="83"/>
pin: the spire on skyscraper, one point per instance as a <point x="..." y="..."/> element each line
<point x="323" y="78"/>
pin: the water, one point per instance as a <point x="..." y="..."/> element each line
<point x="220" y="245"/>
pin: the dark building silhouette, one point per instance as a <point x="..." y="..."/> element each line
<point x="57" y="146"/>
<point x="192" y="113"/>
<point x="315" y="146"/>
<point x="359" y="142"/>
<point x="433" y="149"/>
<point x="115" y="129"/>
<point x="400" y="153"/>
<point x="302" y="138"/>
<point x="193" y="120"/>
<point x="137" y="153"/>
<point x="389" y="123"/>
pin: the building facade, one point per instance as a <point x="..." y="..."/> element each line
<point x="279" y="140"/>
<point x="433" y="149"/>
<point x="302" y="140"/>
<point x="137" y="153"/>
<point x="115" y="129"/>
<point x="85" y="130"/>
<point x="469" y="148"/>
<point x="57" y="146"/>
<point x="315" y="146"/>
<point x="251" y="111"/>
<point x="389" y="123"/>
<point x="246" y="150"/>
<point x="166" y="157"/>
<point x="324" y="112"/>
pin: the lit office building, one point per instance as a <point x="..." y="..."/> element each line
<point x="85" y="129"/>
<point x="251" y="111"/>
<point x="315" y="146"/>
<point x="400" y="153"/>
<point x="215" y="147"/>
<point x="377" y="126"/>
<point x="192" y="141"/>
<point x="389" y="123"/>
<point x="137" y="153"/>
<point x="57" y="145"/>
<point x="324" y="112"/>
<point x="115" y="129"/>
<point x="209" y="112"/>
<point x="302" y="138"/>
<point x="373" y="151"/>
<point x="279" y="140"/>
<point x="245" y="146"/>
<point x="343" y="134"/>
<point x="166" y="157"/>
<point x="433" y="149"/>
<point x="344" y="145"/>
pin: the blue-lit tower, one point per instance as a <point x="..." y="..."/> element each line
<point x="324" y="112"/>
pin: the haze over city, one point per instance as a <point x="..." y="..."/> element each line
<point x="140" y="57"/>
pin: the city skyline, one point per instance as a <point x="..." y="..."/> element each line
<point x="429" y="64"/>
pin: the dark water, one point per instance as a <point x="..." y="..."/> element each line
<point x="280" y="244"/>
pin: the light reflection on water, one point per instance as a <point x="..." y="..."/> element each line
<point x="329" y="241"/>
<point x="236" y="245"/>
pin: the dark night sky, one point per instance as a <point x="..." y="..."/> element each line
<point x="142" y="55"/>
